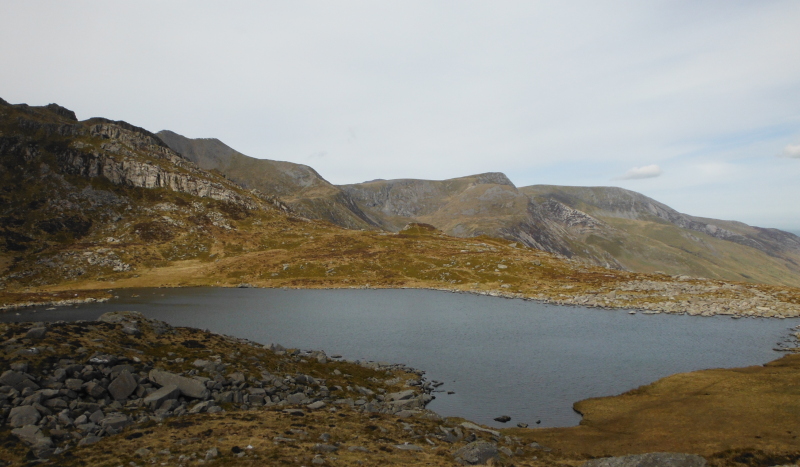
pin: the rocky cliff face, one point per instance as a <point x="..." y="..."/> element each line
<point x="100" y="183"/>
<point x="297" y="185"/>
<point x="613" y="202"/>
<point x="607" y="226"/>
<point x="117" y="151"/>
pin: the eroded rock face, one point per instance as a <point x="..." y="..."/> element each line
<point x="653" y="459"/>
<point x="138" y="173"/>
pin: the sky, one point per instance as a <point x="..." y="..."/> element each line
<point x="694" y="103"/>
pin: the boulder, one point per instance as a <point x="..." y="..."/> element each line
<point x="116" y="421"/>
<point x="167" y="392"/>
<point x="474" y="427"/>
<point x="475" y="453"/>
<point x="103" y="359"/>
<point x="17" y="380"/>
<point x="36" y="333"/>
<point x="130" y="329"/>
<point x="89" y="440"/>
<point x="201" y="407"/>
<point x="408" y="447"/>
<point x="296" y="398"/>
<point x="115" y="317"/>
<point x="96" y="416"/>
<point x="188" y="387"/>
<point x="56" y="403"/>
<point x="94" y="389"/>
<point x="316" y="405"/>
<point x="122" y="386"/>
<point x="305" y="379"/>
<point x="652" y="459"/>
<point x="400" y="396"/>
<point x="33" y="436"/>
<point x="255" y="400"/>
<point x="24" y="415"/>
<point x="73" y="384"/>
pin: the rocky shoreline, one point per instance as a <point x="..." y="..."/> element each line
<point x="146" y="392"/>
<point x="113" y="392"/>
<point x="54" y="400"/>
<point x="649" y="297"/>
<point x="681" y="295"/>
<point x="52" y="303"/>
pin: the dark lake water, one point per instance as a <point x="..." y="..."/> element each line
<point x="524" y="359"/>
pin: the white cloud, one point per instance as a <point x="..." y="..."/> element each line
<point x="791" y="150"/>
<point x="648" y="171"/>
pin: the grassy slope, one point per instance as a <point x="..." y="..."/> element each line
<point x="650" y="246"/>
<point x="704" y="412"/>
<point x="646" y="243"/>
<point x="461" y="206"/>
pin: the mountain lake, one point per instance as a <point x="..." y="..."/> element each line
<point x="499" y="356"/>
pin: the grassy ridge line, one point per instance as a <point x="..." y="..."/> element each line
<point x="267" y="250"/>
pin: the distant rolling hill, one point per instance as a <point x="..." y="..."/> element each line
<point x="608" y="226"/>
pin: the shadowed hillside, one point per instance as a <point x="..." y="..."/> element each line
<point x="299" y="186"/>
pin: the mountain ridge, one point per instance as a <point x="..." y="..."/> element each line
<point x="299" y="186"/>
<point x="608" y="226"/>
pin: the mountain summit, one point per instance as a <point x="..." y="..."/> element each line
<point x="299" y="186"/>
<point x="606" y="226"/>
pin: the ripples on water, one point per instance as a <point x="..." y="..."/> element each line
<point x="525" y="359"/>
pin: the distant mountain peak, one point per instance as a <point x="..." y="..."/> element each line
<point x="62" y="111"/>
<point x="492" y="178"/>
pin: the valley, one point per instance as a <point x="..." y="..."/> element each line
<point x="98" y="205"/>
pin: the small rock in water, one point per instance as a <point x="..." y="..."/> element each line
<point x="522" y="425"/>
<point x="502" y="419"/>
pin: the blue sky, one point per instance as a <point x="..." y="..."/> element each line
<point x="695" y="103"/>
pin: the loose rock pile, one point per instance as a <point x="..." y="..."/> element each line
<point x="78" y="400"/>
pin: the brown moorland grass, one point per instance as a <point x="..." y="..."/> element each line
<point x="704" y="412"/>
